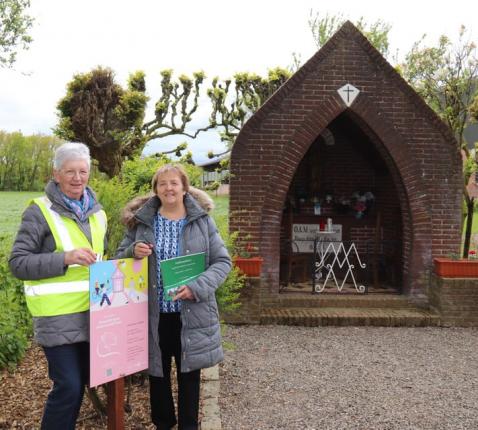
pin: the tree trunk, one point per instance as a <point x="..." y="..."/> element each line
<point x="109" y="161"/>
<point x="33" y="176"/>
<point x="470" y="211"/>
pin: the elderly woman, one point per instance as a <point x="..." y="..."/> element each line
<point x="168" y="224"/>
<point x="61" y="234"/>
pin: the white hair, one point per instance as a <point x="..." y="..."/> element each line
<point x="71" y="151"/>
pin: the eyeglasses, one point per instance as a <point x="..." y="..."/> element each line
<point x="70" y="174"/>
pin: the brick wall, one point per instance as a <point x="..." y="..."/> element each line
<point x="351" y="164"/>
<point x="419" y="154"/>
<point x="249" y="311"/>
<point x="455" y="299"/>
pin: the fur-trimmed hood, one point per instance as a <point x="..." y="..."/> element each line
<point x="130" y="210"/>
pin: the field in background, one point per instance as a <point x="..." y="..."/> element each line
<point x="12" y="205"/>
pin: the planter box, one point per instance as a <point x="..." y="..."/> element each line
<point x="249" y="266"/>
<point x="462" y="268"/>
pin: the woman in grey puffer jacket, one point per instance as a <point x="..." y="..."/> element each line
<point x="61" y="234"/>
<point x="166" y="225"/>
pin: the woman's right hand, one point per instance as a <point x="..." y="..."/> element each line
<point x="142" y="250"/>
<point x="83" y="256"/>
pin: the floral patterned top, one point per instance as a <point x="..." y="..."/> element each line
<point x="167" y="235"/>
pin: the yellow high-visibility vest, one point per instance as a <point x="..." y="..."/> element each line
<point x="68" y="293"/>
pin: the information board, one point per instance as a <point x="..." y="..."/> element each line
<point x="118" y="319"/>
<point x="303" y="236"/>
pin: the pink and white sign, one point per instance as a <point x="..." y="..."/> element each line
<point x="118" y="319"/>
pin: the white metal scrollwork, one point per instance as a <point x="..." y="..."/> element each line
<point x="333" y="256"/>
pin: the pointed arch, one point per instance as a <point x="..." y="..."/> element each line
<point x="400" y="161"/>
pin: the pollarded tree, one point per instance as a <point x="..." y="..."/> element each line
<point x="109" y="119"/>
<point x="14" y="26"/>
<point x="232" y="107"/>
<point x="104" y="116"/>
<point x="446" y="76"/>
<point x="177" y="99"/>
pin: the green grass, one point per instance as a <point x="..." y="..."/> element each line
<point x="12" y="205"/>
<point x="221" y="204"/>
<point x="474" y="227"/>
<point x="221" y="209"/>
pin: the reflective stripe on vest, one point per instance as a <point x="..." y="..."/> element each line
<point x="68" y="293"/>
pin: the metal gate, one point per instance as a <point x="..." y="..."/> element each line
<point x="336" y="263"/>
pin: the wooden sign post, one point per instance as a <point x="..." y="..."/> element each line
<point x="115" y="396"/>
<point x="118" y="328"/>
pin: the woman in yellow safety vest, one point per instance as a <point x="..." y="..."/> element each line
<point x="61" y="234"/>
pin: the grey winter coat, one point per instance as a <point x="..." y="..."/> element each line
<point x="200" y="331"/>
<point x="33" y="258"/>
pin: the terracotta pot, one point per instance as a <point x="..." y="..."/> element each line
<point x="461" y="268"/>
<point x="249" y="266"/>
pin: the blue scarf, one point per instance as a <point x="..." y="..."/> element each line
<point x="80" y="207"/>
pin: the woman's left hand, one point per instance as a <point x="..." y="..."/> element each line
<point x="184" y="293"/>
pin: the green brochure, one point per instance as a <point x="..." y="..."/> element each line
<point x="179" y="271"/>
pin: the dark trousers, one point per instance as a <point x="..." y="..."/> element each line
<point x="68" y="368"/>
<point x="161" y="396"/>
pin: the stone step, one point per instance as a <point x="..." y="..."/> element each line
<point x="333" y="316"/>
<point x="309" y="300"/>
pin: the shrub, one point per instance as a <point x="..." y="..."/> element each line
<point x="15" y="320"/>
<point x="140" y="171"/>
<point x="227" y="295"/>
<point x="113" y="194"/>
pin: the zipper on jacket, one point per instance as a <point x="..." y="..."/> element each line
<point x="181" y="234"/>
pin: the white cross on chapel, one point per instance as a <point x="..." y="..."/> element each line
<point x="348" y="93"/>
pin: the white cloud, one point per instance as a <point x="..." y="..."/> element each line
<point x="220" y="37"/>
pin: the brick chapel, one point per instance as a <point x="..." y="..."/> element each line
<point x="346" y="145"/>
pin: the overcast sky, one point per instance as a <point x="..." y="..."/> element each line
<point x="220" y="37"/>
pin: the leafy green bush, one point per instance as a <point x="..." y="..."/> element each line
<point x="140" y="171"/>
<point x="113" y="194"/>
<point x="15" y="320"/>
<point x="227" y="295"/>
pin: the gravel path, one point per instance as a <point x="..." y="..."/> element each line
<point x="280" y="377"/>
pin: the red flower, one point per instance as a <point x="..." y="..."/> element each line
<point x="360" y="206"/>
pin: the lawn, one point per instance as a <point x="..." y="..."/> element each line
<point x="221" y="209"/>
<point x="12" y="205"/>
<point x="474" y="228"/>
